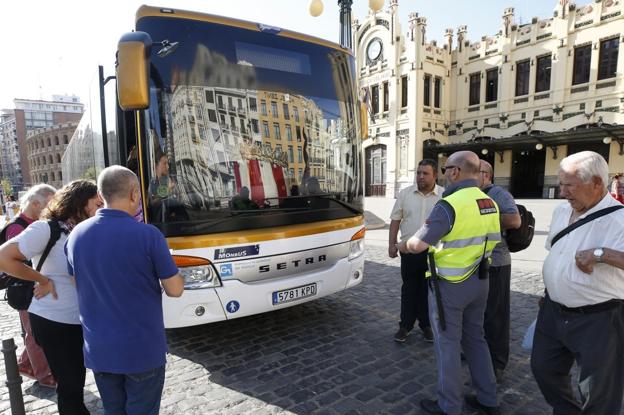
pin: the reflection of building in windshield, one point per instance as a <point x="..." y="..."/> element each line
<point x="227" y="138"/>
<point x="294" y="125"/>
<point x="348" y="159"/>
<point x="209" y="125"/>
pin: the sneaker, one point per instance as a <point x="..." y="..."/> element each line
<point x="481" y="409"/>
<point x="401" y="335"/>
<point x="428" y="334"/>
<point x="47" y="383"/>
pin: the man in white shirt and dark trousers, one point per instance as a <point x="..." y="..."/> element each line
<point x="582" y="317"/>
<point x="411" y="208"/>
<point x="497" y="322"/>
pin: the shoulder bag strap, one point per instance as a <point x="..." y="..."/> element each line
<point x="583" y="221"/>
<point x="55" y="234"/>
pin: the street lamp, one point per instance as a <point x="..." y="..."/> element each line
<point x="539" y="146"/>
<point x="316" y="8"/>
<point x="607" y="140"/>
<point x="375" y="5"/>
<point x="484" y="151"/>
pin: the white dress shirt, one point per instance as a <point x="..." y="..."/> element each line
<point x="412" y="207"/>
<point x="565" y="282"/>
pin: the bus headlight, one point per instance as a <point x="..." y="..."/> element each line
<point x="356" y="247"/>
<point x="198" y="273"/>
<point x="200" y="277"/>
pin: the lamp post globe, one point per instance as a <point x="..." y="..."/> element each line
<point x="375" y="5"/>
<point x="315" y="7"/>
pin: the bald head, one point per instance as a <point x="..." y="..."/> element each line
<point x="468" y="163"/>
<point x="116" y="183"/>
<point x="486" y="173"/>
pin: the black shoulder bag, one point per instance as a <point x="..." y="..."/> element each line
<point x="19" y="293"/>
<point x="583" y="221"/>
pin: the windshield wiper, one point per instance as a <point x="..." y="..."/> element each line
<point x="265" y="210"/>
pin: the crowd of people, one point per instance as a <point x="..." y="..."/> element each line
<point x="97" y="296"/>
<point x="454" y="262"/>
<point x="99" y="274"/>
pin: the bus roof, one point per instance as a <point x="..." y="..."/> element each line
<point x="146" y="11"/>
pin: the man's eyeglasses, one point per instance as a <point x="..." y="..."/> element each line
<point x="445" y="168"/>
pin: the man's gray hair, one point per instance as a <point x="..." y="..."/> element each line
<point x="39" y="193"/>
<point x="116" y="182"/>
<point x="586" y="165"/>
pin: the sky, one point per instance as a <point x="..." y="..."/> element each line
<point x="54" y="47"/>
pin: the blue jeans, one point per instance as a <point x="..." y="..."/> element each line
<point x="131" y="394"/>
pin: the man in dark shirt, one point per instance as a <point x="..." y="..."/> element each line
<point x="496" y="324"/>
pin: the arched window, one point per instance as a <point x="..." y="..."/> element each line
<point x="49" y="142"/>
<point x="60" y="176"/>
<point x="52" y="175"/>
<point x="43" y="161"/>
<point x="50" y="159"/>
<point x="58" y="157"/>
<point x="65" y="139"/>
<point x="56" y="140"/>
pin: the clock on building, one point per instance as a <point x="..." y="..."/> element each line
<point x="373" y="51"/>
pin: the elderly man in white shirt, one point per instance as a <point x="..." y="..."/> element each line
<point x="582" y="317"/>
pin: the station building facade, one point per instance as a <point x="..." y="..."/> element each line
<point x="522" y="99"/>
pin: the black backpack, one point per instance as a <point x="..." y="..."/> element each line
<point x="520" y="238"/>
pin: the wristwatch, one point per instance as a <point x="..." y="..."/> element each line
<point x="598" y="254"/>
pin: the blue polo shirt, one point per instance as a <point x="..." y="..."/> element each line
<point x="118" y="263"/>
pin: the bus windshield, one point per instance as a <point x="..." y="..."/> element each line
<point x="247" y="129"/>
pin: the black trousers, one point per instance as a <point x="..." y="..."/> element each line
<point x="496" y="322"/>
<point x="62" y="346"/>
<point x="596" y="342"/>
<point x="414" y="291"/>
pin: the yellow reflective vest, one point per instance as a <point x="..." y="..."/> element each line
<point x="472" y="238"/>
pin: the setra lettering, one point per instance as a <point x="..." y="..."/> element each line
<point x="280" y="266"/>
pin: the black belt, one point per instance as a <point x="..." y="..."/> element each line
<point x="589" y="309"/>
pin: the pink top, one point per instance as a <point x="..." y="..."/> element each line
<point x="15" y="229"/>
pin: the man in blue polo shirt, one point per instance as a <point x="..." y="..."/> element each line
<point x="120" y="265"/>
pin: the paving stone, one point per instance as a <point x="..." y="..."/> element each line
<point x="332" y="356"/>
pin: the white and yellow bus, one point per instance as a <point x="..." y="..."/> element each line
<point x="247" y="142"/>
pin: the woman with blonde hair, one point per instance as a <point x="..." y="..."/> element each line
<point x="54" y="309"/>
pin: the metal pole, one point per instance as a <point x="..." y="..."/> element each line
<point x="103" y="115"/>
<point x="345" y="23"/>
<point x="14" y="380"/>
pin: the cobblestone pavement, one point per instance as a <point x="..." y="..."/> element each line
<point x="331" y="356"/>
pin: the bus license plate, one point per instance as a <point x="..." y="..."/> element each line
<point x="294" y="294"/>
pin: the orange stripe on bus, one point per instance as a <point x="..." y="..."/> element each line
<point x="260" y="235"/>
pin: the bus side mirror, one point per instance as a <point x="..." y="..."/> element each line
<point x="363" y="121"/>
<point x="132" y="70"/>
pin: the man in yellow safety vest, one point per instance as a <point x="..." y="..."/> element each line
<point x="460" y="234"/>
